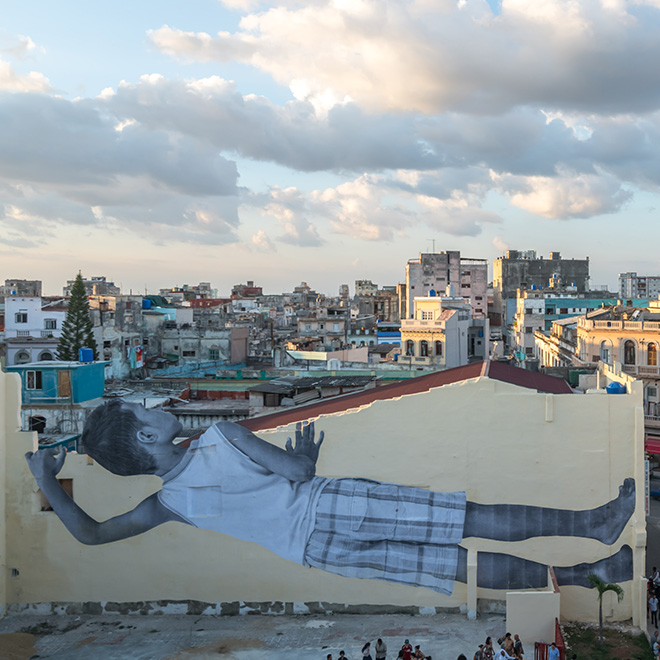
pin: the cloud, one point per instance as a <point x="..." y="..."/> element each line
<point x="22" y="47"/>
<point x="261" y="242"/>
<point x="290" y="207"/>
<point x="10" y="81"/>
<point x="420" y="56"/>
<point x="566" y="196"/>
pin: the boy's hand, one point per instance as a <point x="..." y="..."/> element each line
<point x="305" y="445"/>
<point x="46" y="462"/>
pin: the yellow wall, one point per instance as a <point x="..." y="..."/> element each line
<point x="532" y="615"/>
<point x="498" y="442"/>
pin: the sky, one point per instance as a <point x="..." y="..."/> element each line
<point x="162" y="143"/>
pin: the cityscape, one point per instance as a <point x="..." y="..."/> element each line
<point x="343" y="314"/>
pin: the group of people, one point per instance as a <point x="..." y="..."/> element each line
<point x="511" y="648"/>
<point x="379" y="649"/>
<point x="653" y="590"/>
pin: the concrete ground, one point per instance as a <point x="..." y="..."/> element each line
<point x="184" y="637"/>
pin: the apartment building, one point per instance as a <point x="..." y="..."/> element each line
<point x="432" y="273"/>
<point x="632" y="285"/>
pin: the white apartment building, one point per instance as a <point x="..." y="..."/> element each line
<point x="632" y="285"/>
<point x="32" y="328"/>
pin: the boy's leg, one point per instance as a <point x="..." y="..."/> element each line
<point x="499" y="571"/>
<point x="516" y="522"/>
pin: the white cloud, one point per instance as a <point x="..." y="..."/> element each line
<point x="261" y="242"/>
<point x="421" y="56"/>
<point x="10" y="81"/>
<point x="22" y="47"/>
<point x="568" y="195"/>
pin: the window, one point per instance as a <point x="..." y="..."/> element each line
<point x="563" y="310"/>
<point x="128" y="304"/>
<point x="529" y="351"/>
<point x="466" y="285"/>
<point x="427" y="316"/>
<point x="214" y="354"/>
<point x="478" y="297"/>
<point x="424" y="348"/>
<point x="22" y="357"/>
<point x="335" y="327"/>
<point x="46" y="355"/>
<point x="438" y="348"/>
<point x="308" y="326"/>
<point x="629" y="352"/>
<point x="410" y="347"/>
<point x="652" y="357"/>
<point x="529" y="330"/>
<point x="50" y="324"/>
<point x="605" y="352"/>
<point x="188" y="353"/>
<point x="20" y="317"/>
<point x="33" y="380"/>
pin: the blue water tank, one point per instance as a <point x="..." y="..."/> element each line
<point x="615" y="388"/>
<point x="146" y="303"/>
<point x="85" y="355"/>
<point x="432" y="293"/>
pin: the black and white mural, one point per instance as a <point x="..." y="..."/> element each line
<point x="231" y="481"/>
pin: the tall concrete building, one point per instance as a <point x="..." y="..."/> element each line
<point x="632" y="285"/>
<point x="523" y="269"/>
<point x="432" y="273"/>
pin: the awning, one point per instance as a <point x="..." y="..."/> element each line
<point x="652" y="444"/>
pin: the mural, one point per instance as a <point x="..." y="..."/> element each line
<point x="231" y="481"/>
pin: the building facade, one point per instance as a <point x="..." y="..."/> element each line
<point x="443" y="334"/>
<point x="432" y="273"/>
<point x="523" y="269"/>
<point x="632" y="285"/>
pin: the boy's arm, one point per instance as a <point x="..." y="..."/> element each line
<point x="296" y="463"/>
<point x="45" y="465"/>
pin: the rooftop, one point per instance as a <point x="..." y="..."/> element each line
<point x="495" y="370"/>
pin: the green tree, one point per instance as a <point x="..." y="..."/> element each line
<point x="602" y="588"/>
<point x="78" y="329"/>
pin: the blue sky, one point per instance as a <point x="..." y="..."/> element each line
<point x="162" y="143"/>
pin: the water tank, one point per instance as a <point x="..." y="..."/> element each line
<point x="146" y="303"/>
<point x="615" y="388"/>
<point x="85" y="355"/>
<point x="432" y="293"/>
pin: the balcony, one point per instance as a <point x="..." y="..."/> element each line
<point x="652" y="422"/>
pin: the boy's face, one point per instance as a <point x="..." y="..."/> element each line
<point x="159" y="428"/>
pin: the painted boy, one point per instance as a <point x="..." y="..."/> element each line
<point x="231" y="481"/>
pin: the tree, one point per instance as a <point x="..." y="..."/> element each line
<point x="78" y="329"/>
<point x="603" y="587"/>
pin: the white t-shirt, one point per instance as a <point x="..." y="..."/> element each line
<point x="216" y="486"/>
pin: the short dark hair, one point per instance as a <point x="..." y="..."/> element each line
<point x="110" y="438"/>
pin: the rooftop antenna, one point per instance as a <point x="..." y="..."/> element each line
<point x="432" y="243"/>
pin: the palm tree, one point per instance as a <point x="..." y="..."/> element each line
<point x="602" y="587"/>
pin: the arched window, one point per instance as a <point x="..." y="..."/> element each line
<point x="46" y="355"/>
<point x="438" y="348"/>
<point x="22" y="357"/>
<point x="629" y="352"/>
<point x="410" y="347"/>
<point x="424" y="348"/>
<point x="652" y="356"/>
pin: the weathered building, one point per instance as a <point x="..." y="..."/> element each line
<point x="432" y="273"/>
<point x="523" y="269"/>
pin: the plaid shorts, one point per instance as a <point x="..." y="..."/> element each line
<point x="369" y="529"/>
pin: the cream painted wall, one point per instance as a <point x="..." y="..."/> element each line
<point x="532" y="614"/>
<point x="499" y="442"/>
